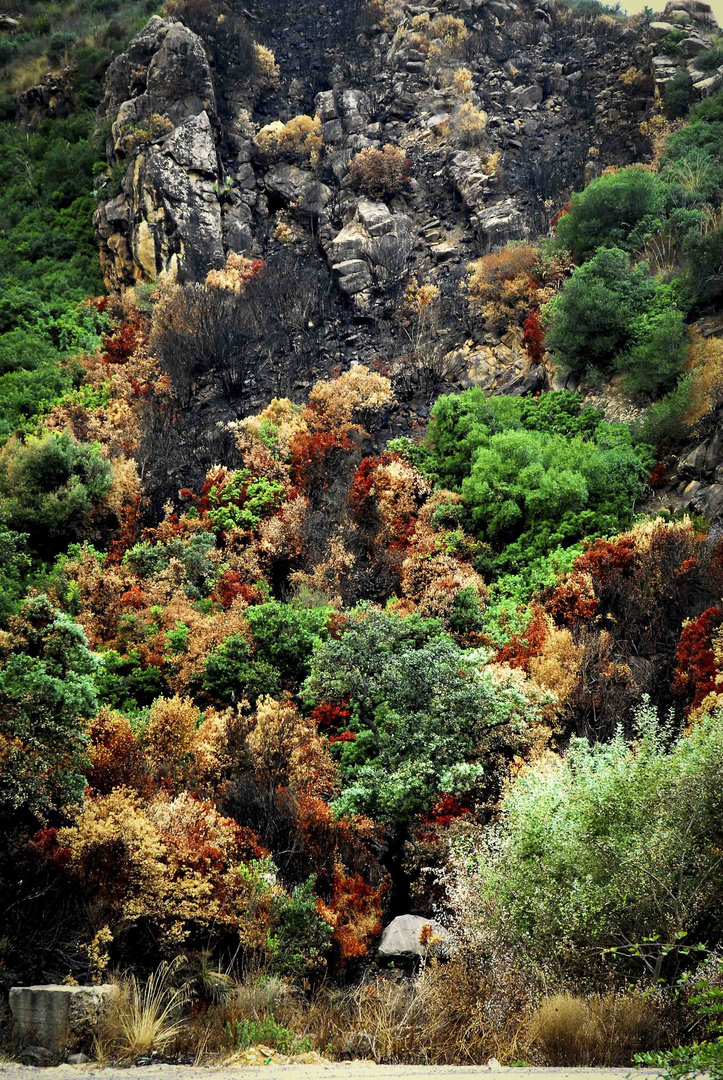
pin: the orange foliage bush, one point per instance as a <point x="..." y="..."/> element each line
<point x="115" y="756"/>
<point x="503" y="287"/>
<point x="173" y="863"/>
<point x="380" y="174"/>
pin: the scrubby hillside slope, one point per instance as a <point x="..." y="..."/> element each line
<point x="361" y="551"/>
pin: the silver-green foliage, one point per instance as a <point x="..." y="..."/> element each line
<point x="612" y="851"/>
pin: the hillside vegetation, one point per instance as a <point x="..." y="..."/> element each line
<point x="360" y="555"/>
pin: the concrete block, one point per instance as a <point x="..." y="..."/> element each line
<point x="57" y="1018"/>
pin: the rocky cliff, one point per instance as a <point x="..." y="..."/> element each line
<point x="502" y="109"/>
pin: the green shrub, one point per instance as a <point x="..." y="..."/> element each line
<point x="669" y="44"/>
<point x="46" y="694"/>
<point x="14" y="567"/>
<point x="655" y="360"/>
<point x="704" y="272"/>
<point x="535" y="475"/>
<point x="60" y="43"/>
<point x="710" y="60"/>
<point x="529" y="493"/>
<point x="616" y="211"/>
<point x="592" y="319"/>
<point x="8" y="50"/>
<point x="421" y="709"/>
<point x="124" y="684"/>
<point x="232" y="674"/>
<point x="50" y="488"/>
<point x="286" y="636"/>
<point x="611" y="854"/>
<point x="665" y="419"/>
<point x="301" y="938"/>
<point x="242" y="1034"/>
<point x="677" y="94"/>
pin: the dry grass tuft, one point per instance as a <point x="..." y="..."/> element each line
<point x="143" y="1016"/>
<point x="604" y="1029"/>
<point x="450" y="1013"/>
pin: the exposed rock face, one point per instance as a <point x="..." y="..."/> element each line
<point x="696" y="19"/>
<point x="168" y="217"/>
<point x="165" y="71"/>
<point x="375" y="246"/>
<point x="298" y="189"/>
<point x="190" y="182"/>
<point x="411" y="938"/>
<point x="699" y="476"/>
<point x="52" y="99"/>
<point x="57" y="1018"/>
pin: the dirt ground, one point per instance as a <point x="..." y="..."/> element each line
<point x="354" y="1070"/>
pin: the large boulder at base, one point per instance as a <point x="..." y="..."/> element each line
<point x="404" y="940"/>
<point x="57" y="1018"/>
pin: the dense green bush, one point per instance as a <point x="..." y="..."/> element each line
<point x="124" y="684"/>
<point x="421" y="710"/>
<point x="704" y="272"/>
<point x="692" y="162"/>
<point x="613" y="847"/>
<point x="535" y="475"/>
<point x="617" y="210"/>
<point x="678" y="93"/>
<point x="286" y="636"/>
<point x="530" y="493"/>
<point x="49" y="261"/>
<point x="592" y="319"/>
<point x="50" y="488"/>
<point x="711" y="59"/>
<point x="609" y="313"/>
<point x="664" y="419"/>
<point x="460" y="421"/>
<point x="232" y="674"/>
<point x="14" y="567"/>
<point x="301" y="938"/>
<point x="46" y="694"/>
<point x="655" y="360"/>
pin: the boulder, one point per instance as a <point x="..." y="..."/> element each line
<point x="326" y="106"/>
<point x="500" y="223"/>
<point x="57" y="1018"/>
<point x="526" y="95"/>
<point x="693" y="46"/>
<point x="658" y="30"/>
<point x="376" y="217"/>
<point x="707" y="87"/>
<point x="299" y="189"/>
<point x="412" y="938"/>
<point x="378" y="239"/>
<point x="53" y="98"/>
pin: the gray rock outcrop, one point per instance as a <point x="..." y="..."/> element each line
<point x="168" y="216"/>
<point x="374" y="247"/>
